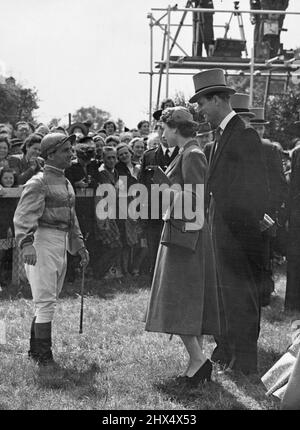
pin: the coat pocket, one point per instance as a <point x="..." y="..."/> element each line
<point x="175" y="235"/>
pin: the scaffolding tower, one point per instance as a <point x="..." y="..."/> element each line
<point x="282" y="66"/>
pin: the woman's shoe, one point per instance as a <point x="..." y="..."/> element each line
<point x="202" y="375"/>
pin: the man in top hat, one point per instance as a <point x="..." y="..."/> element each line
<point x="160" y="156"/>
<point x="235" y="197"/>
<point x="277" y="199"/>
<point x="292" y="295"/>
<point x="46" y="227"/>
<point x="240" y="104"/>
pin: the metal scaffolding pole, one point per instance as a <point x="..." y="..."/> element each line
<point x="151" y="68"/>
<point x="161" y="69"/>
<point x="252" y="12"/>
<point x="168" y="51"/>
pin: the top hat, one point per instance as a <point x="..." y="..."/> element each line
<point x="210" y="81"/>
<point x="178" y="114"/>
<point x="294" y="129"/>
<point x="157" y="114"/>
<point x="240" y="104"/>
<point x="204" y="128"/>
<point x="80" y="125"/>
<point x="259" y="118"/>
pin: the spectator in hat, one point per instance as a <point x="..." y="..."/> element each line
<point x="292" y="295"/>
<point x="79" y="129"/>
<point x="240" y="103"/>
<point x="110" y="127"/>
<point x="23" y="130"/>
<point x="4" y="151"/>
<point x="277" y="201"/>
<point x="236" y="196"/>
<point x="30" y="162"/>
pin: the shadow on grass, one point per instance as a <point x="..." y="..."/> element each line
<point x="61" y="378"/>
<point x="209" y="396"/>
<point x="106" y="290"/>
<point x="267" y="359"/>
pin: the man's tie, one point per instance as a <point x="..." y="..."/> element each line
<point x="167" y="156"/>
<point x="218" y="134"/>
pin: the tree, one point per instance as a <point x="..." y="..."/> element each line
<point x="282" y="111"/>
<point x="180" y="100"/>
<point x="16" y="102"/>
<point x="96" y="115"/>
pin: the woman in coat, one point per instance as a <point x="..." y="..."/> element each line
<point x="184" y="299"/>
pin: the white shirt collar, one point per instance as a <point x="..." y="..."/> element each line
<point x="171" y="150"/>
<point x="226" y="120"/>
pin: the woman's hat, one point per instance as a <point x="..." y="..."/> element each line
<point x="259" y="118"/>
<point x="157" y="114"/>
<point x="178" y="114"/>
<point x="240" y="104"/>
<point x="210" y="81"/>
<point x="80" y="125"/>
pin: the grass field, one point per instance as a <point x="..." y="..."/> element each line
<point x="115" y="364"/>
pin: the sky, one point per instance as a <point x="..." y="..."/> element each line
<point x="89" y="52"/>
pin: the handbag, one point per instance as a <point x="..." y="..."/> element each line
<point x="174" y="234"/>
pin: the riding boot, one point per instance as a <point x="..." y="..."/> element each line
<point x="32" y="353"/>
<point x="43" y="343"/>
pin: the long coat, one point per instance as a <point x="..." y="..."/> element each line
<point x="184" y="297"/>
<point x="236" y="197"/>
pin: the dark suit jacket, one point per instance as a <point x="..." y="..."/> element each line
<point x="292" y="298"/>
<point x="278" y="187"/>
<point x="154" y="157"/>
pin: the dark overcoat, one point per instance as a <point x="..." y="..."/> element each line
<point x="184" y="297"/>
<point x="236" y="198"/>
<point x="292" y="298"/>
